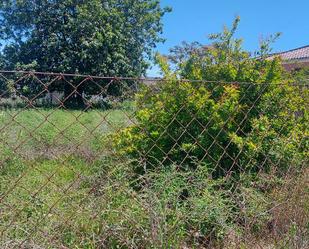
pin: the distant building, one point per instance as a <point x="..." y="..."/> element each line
<point x="294" y="59"/>
<point x="149" y="81"/>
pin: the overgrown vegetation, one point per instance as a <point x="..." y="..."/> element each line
<point x="199" y="163"/>
<point x="247" y="136"/>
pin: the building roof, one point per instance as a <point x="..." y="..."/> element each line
<point x="297" y="54"/>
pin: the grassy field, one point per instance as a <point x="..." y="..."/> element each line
<point x="62" y="186"/>
<point x="50" y="162"/>
<point x="32" y="132"/>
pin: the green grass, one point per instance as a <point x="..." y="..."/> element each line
<point x="50" y="160"/>
<point x="61" y="186"/>
<point x="42" y="128"/>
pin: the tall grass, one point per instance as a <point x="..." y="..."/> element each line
<point x="50" y="159"/>
<point x="62" y="186"/>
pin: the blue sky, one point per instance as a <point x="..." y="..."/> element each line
<point x="192" y="20"/>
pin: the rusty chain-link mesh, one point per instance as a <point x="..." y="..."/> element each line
<point x="99" y="162"/>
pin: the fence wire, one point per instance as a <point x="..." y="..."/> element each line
<point x="107" y="162"/>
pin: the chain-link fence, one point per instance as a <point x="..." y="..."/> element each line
<point x="98" y="162"/>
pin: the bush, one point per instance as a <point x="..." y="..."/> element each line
<point x="186" y="123"/>
<point x="246" y="136"/>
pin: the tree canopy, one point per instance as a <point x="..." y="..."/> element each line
<point x="93" y="37"/>
<point x="101" y="37"/>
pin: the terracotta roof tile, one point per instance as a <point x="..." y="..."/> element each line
<point x="294" y="54"/>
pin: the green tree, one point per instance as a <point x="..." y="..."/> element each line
<point x="95" y="37"/>
<point x="210" y="118"/>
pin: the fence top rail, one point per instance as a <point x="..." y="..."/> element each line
<point x="144" y="79"/>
